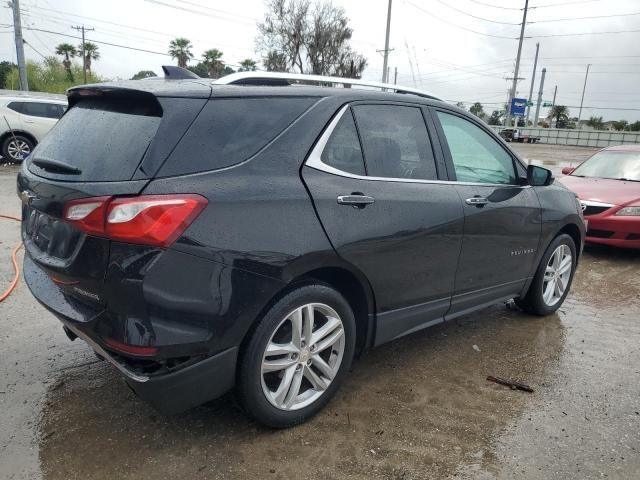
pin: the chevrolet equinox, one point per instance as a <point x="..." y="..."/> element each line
<point x="256" y="235"/>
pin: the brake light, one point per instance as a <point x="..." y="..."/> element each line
<point x="137" y="350"/>
<point x="156" y="220"/>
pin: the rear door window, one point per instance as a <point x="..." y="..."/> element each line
<point x="231" y="130"/>
<point x="396" y="142"/>
<point x="37" y="109"/>
<point x="105" y="140"/>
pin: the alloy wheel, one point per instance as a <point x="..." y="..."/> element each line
<point x="18" y="149"/>
<point x="303" y="356"/>
<point x="557" y="275"/>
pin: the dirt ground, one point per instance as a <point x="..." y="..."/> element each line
<point x="417" y="408"/>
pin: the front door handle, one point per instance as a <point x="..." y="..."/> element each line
<point x="477" y="201"/>
<point x="357" y="200"/>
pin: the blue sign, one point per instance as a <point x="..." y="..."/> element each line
<point x="518" y="107"/>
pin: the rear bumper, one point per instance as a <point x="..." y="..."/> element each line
<point x="170" y="392"/>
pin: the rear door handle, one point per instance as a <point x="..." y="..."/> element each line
<point x="477" y="201"/>
<point x="357" y="200"/>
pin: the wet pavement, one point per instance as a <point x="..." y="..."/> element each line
<point x="419" y="407"/>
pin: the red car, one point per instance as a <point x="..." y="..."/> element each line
<point x="608" y="185"/>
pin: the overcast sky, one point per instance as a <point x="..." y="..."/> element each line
<point x="452" y="48"/>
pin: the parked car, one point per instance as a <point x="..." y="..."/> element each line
<point x="608" y="185"/>
<point x="24" y="121"/>
<point x="254" y="235"/>
<point x="515" y="135"/>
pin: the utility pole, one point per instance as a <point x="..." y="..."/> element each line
<point x="385" y="74"/>
<point x="395" y="76"/>
<point x="555" y="93"/>
<point x="84" y="58"/>
<point x="535" y="120"/>
<point x="533" y="79"/>
<point x="17" y="28"/>
<point x="584" y="88"/>
<point x="515" y="75"/>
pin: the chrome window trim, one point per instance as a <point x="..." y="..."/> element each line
<point x="595" y="203"/>
<point x="315" y="161"/>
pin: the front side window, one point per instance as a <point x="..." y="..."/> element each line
<point x="396" y="142"/>
<point x="343" y="151"/>
<point x="476" y="156"/>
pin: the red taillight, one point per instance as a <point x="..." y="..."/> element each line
<point x="147" y="219"/>
<point x="137" y="350"/>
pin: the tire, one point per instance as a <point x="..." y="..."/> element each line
<point x="536" y="302"/>
<point x="16" y="147"/>
<point x="266" y="380"/>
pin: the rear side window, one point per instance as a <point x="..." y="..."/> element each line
<point x="37" y="109"/>
<point x="105" y="140"/>
<point x="396" y="142"/>
<point x="231" y="130"/>
<point x="343" y="151"/>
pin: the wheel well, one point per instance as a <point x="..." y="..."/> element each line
<point x="574" y="232"/>
<point x="17" y="132"/>
<point x="354" y="292"/>
<point x="343" y="281"/>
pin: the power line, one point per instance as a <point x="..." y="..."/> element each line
<point x="96" y="41"/>
<point x="548" y="5"/>
<point x="582" y="34"/>
<point x="474" y="16"/>
<point x="494" y="6"/>
<point x="199" y="12"/>
<point x="33" y="48"/>
<point x="585" y="18"/>
<point x="452" y="23"/>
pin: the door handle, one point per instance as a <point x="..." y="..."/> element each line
<point x="357" y="200"/>
<point x="477" y="201"/>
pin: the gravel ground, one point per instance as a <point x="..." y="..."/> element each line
<point x="416" y="408"/>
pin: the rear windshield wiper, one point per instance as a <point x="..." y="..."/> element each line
<point x="627" y="180"/>
<point x="55" y="166"/>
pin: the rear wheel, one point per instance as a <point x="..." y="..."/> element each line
<point x="297" y="357"/>
<point x="16" y="148"/>
<point x="552" y="281"/>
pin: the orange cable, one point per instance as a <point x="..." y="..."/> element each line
<point x="14" y="260"/>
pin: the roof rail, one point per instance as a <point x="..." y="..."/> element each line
<point x="279" y="79"/>
<point x="171" y="72"/>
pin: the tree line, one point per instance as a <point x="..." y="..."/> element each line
<point x="558" y="116"/>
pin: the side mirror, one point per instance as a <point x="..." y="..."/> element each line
<point x="539" y="176"/>
<point x="568" y="170"/>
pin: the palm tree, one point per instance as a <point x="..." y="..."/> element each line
<point x="68" y="51"/>
<point x="212" y="59"/>
<point x="90" y="53"/>
<point x="560" y="113"/>
<point x="248" y="65"/>
<point x="180" y="49"/>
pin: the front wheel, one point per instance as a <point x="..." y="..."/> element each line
<point x="552" y="281"/>
<point x="297" y="357"/>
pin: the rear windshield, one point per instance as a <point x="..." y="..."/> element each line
<point x="105" y="141"/>
<point x="231" y="130"/>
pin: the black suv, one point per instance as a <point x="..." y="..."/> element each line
<point x="208" y="237"/>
